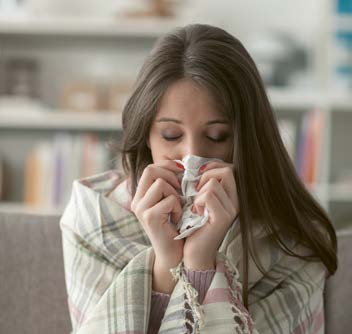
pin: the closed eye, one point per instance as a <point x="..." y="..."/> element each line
<point x="217" y="140"/>
<point x="171" y="138"/>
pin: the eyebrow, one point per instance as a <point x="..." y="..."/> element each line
<point x="167" y="119"/>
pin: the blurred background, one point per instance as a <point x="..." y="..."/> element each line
<point x="67" y="67"/>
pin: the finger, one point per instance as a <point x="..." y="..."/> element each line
<point x="157" y="191"/>
<point x="214" y="164"/>
<point x="171" y="206"/>
<point x="160" y="212"/>
<point x="224" y="176"/>
<point x="213" y="205"/>
<point x="166" y="169"/>
<point x="219" y="191"/>
<point x="175" y="166"/>
<point x="209" y="200"/>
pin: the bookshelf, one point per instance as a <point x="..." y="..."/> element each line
<point x="68" y="46"/>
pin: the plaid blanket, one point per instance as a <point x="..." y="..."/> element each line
<point x="108" y="262"/>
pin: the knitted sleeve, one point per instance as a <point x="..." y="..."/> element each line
<point x="200" y="280"/>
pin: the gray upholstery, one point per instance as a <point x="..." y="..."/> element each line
<point x="32" y="285"/>
<point x="338" y="291"/>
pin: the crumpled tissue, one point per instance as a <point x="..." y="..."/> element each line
<point x="189" y="222"/>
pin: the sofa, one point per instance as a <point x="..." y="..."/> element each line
<point x="32" y="286"/>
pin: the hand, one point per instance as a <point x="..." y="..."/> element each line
<point x="218" y="192"/>
<point x="156" y="198"/>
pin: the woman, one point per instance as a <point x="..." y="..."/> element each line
<point x="259" y="263"/>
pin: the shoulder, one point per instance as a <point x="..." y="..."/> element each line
<point x="91" y="198"/>
<point x="103" y="183"/>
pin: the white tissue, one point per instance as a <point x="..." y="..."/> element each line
<point x="190" y="221"/>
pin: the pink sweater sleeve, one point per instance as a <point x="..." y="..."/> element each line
<point x="200" y="280"/>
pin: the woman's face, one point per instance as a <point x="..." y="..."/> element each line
<point x="188" y="122"/>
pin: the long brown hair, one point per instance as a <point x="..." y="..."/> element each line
<point x="267" y="182"/>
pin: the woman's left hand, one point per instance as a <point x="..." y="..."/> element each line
<point x="218" y="192"/>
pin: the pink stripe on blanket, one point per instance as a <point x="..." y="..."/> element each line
<point x="218" y="294"/>
<point x="75" y="311"/>
<point x="318" y="321"/>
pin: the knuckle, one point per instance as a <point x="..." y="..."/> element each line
<point x="159" y="181"/>
<point x="148" y="170"/>
<point x="213" y="181"/>
<point x="132" y="206"/>
<point x="208" y="194"/>
<point x="230" y="217"/>
<point x="228" y="170"/>
<point x="172" y="196"/>
<point x="137" y="211"/>
<point x="175" y="198"/>
<point x="234" y="212"/>
<point x="147" y="216"/>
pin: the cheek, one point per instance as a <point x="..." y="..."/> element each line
<point x="158" y="148"/>
<point x="224" y="153"/>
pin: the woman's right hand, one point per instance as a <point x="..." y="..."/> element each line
<point x="156" y="197"/>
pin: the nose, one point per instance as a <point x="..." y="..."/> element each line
<point x="194" y="146"/>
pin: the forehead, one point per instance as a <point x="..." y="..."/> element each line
<point x="185" y="98"/>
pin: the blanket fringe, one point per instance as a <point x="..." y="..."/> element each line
<point x="191" y="298"/>
<point x="238" y="308"/>
<point x="242" y="320"/>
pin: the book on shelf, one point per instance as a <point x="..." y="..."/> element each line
<point x="51" y="167"/>
<point x="309" y="146"/>
<point x="304" y="149"/>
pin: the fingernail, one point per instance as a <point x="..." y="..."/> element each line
<point x="202" y="168"/>
<point x="179" y="165"/>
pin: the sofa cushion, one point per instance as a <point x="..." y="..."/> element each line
<point x="32" y="284"/>
<point x="338" y="290"/>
